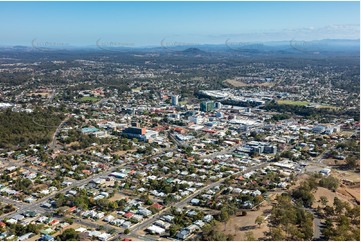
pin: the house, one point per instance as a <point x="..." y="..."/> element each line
<point x="18" y="217"/>
<point x="192" y="213"/>
<point x="126" y="224"/>
<point x="12" y="221"/>
<point x="162" y="224"/>
<point x="29" y="199"/>
<point x="195" y="201"/>
<point x="46" y="205"/>
<point x="256" y="193"/>
<point x="72" y="192"/>
<point x="199" y="223"/>
<point x="168" y="218"/>
<point x="54" y="222"/>
<point x="46" y="237"/>
<point x="2" y="224"/>
<point x="100" y="215"/>
<point x="183" y="234"/>
<point x="117" y="222"/>
<point x="103" y="236"/>
<point x="156" y="230"/>
<point x="325" y="171"/>
<point x="208" y="218"/>
<point x="237" y="190"/>
<point x="192" y="228"/>
<point x="25" y="236"/>
<point x="47" y="231"/>
<point x="109" y="218"/>
<point x="247" y="204"/>
<point x="157" y="206"/>
<point x="128" y="214"/>
<point x="72" y="209"/>
<point x="42" y="219"/>
<point x="137" y="217"/>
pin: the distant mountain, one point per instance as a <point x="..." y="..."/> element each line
<point x="290" y="46"/>
<point x="193" y="51"/>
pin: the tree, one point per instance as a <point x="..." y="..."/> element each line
<point x="223" y="216"/>
<point x="329" y="182"/>
<point x="323" y="200"/>
<point x="126" y="231"/>
<point x="352" y="161"/>
<point x="69" y="235"/>
<point x="259" y="220"/>
<point x="277" y="234"/>
<point x="249" y="236"/>
<point x="173" y="229"/>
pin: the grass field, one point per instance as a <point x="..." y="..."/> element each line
<point x="291" y="102"/>
<point x="89" y="99"/>
<point x="236" y="83"/>
<point x="327" y="106"/>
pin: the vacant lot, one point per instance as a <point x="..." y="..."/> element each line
<point x="236" y="83"/>
<point x="321" y="191"/>
<point x="239" y="225"/>
<point x="291" y="102"/>
<point x="118" y="196"/>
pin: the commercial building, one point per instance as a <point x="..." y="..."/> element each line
<point x="175" y="100"/>
<point x="196" y="119"/>
<point x="140" y="133"/>
<point x="207" y="106"/>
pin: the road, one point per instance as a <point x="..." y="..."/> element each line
<point x="11" y="201"/>
<point x="53" y="142"/>
<point x="316" y="224"/>
<point x="37" y="205"/>
<point x="146" y="223"/>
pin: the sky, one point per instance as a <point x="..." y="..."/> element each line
<point x="132" y="24"/>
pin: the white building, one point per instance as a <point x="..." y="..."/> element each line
<point x="175" y="100"/>
<point x="196" y="119"/>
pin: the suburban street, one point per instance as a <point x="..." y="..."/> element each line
<point x="146" y="223"/>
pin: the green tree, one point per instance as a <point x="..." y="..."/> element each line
<point x="323" y="200"/>
<point x="249" y="236"/>
<point x="259" y="220"/>
<point x="69" y="235"/>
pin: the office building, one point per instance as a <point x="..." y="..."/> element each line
<point x="207" y="106"/>
<point x="175" y="100"/>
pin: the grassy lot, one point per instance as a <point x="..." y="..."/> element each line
<point x="236" y="83"/>
<point x="327" y="106"/>
<point x="291" y="102"/>
<point x="89" y="99"/>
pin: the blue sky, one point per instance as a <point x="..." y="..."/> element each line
<point x="148" y="23"/>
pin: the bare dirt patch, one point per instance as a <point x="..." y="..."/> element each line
<point x="321" y="191"/>
<point x="239" y="225"/>
<point x="118" y="196"/>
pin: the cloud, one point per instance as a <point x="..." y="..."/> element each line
<point x="305" y="33"/>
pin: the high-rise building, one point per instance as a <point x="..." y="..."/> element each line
<point x="175" y="100"/>
<point x="207" y="106"/>
<point x="217" y="105"/>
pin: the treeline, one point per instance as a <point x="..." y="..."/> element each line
<point x="290" y="221"/>
<point x="310" y="112"/>
<point x="19" y="129"/>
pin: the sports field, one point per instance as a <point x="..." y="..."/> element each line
<point x="291" y="102"/>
